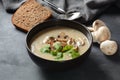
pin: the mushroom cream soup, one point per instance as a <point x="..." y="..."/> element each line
<point x="59" y="43"/>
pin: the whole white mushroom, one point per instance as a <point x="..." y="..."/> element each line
<point x="99" y="31"/>
<point x="109" y="47"/>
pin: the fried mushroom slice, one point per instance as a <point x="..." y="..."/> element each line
<point x="62" y="37"/>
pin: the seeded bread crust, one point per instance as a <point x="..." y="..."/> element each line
<point x="29" y="15"/>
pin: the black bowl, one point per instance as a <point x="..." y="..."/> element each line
<point x="58" y="65"/>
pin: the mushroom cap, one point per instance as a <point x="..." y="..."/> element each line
<point x="109" y="47"/>
<point x="97" y="24"/>
<point x="102" y="34"/>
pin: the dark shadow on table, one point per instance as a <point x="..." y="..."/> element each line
<point x="89" y="70"/>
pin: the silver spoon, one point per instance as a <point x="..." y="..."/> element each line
<point x="73" y="15"/>
<point x="55" y="8"/>
<point x="68" y="16"/>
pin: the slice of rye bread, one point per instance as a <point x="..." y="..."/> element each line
<point x="29" y="15"/>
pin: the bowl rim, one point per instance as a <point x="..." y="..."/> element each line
<point x="85" y="27"/>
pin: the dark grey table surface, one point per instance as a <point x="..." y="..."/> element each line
<point x="15" y="64"/>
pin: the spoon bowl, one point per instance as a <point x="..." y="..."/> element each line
<point x="73" y="16"/>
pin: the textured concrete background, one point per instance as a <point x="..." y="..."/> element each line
<point x="15" y="63"/>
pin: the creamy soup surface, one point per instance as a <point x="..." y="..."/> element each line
<point x="38" y="41"/>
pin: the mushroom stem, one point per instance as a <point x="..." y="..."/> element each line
<point x="91" y="29"/>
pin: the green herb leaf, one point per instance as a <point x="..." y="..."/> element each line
<point x="67" y="48"/>
<point x="45" y="49"/>
<point x="54" y="52"/>
<point x="59" y="55"/>
<point x="57" y="46"/>
<point x="73" y="53"/>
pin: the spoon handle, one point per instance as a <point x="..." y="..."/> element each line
<point x="54" y="7"/>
